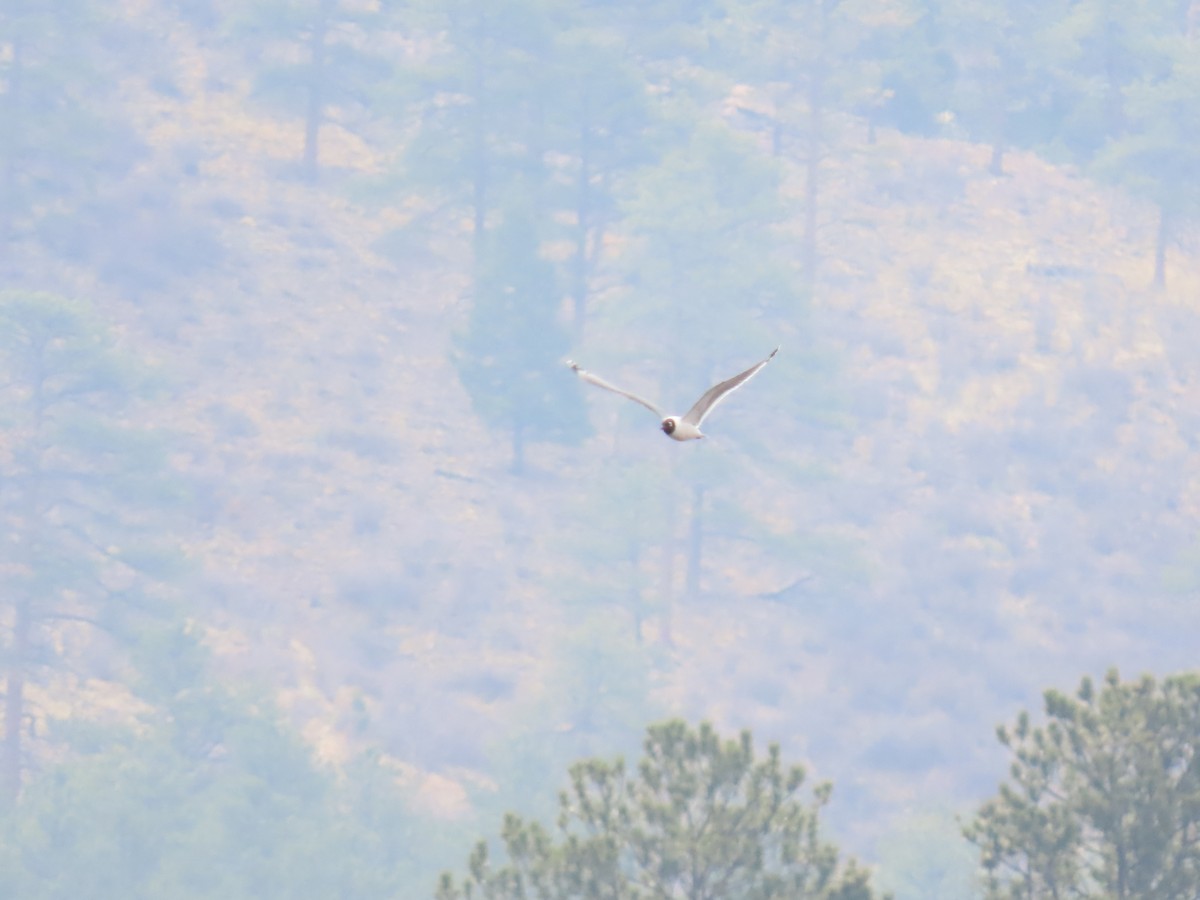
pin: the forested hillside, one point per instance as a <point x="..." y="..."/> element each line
<point x="306" y="522"/>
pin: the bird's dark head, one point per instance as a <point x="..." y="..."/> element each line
<point x="668" y="426"/>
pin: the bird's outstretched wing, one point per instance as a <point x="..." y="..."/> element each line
<point x="717" y="392"/>
<point x="600" y="382"/>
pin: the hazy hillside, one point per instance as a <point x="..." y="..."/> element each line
<point x="968" y="476"/>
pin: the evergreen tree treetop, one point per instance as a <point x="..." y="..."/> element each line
<point x="702" y="817"/>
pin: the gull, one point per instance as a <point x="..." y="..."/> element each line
<point x="687" y="426"/>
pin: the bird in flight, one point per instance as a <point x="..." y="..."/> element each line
<point x="687" y="426"/>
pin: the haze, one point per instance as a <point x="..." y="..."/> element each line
<point x="317" y="557"/>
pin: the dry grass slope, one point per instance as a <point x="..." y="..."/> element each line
<point x="371" y="556"/>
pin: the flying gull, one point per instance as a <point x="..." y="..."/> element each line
<point x="687" y="426"/>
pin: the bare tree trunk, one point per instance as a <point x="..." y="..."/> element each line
<point x="1160" y="249"/>
<point x="597" y="222"/>
<point x="14" y="699"/>
<point x="668" y="574"/>
<point x="635" y="588"/>
<point x="996" y="163"/>
<point x="518" y="448"/>
<point x="998" y="120"/>
<point x="15" y="125"/>
<point x="812" y="196"/>
<point x="583" y="207"/>
<point x="816" y="140"/>
<point x="479" y="185"/>
<point x="695" y="542"/>
<point x="1114" y="97"/>
<point x="316" y="98"/>
<point x="19" y="653"/>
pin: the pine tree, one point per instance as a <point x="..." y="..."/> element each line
<point x="805" y="60"/>
<point x="1103" y="801"/>
<point x="511" y="355"/>
<point x="63" y="133"/>
<point x="480" y="104"/>
<point x="1099" y="48"/>
<point x="208" y="793"/>
<point x="600" y="125"/>
<point x="83" y="495"/>
<point x="701" y="818"/>
<point x="706" y="258"/>
<point x="335" y="68"/>
<point x="1004" y="92"/>
<point x="1156" y="157"/>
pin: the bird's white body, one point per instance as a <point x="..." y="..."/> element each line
<point x="687" y="426"/>
<point x="678" y="430"/>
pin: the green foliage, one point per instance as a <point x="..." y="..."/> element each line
<point x="480" y="106"/>
<point x="85" y="499"/>
<point x="916" y="70"/>
<point x="623" y="516"/>
<point x="600" y="121"/>
<point x="706" y="258"/>
<point x="1004" y="92"/>
<point x="76" y="464"/>
<point x="700" y="818"/>
<point x="672" y="39"/>
<point x="1100" y="49"/>
<point x="511" y="356"/>
<point x="209" y="795"/>
<point x="336" y="68"/>
<point x="926" y="858"/>
<point x="1151" y="149"/>
<point x="1103" y="800"/>
<point x="596" y="696"/>
<point x="70" y="178"/>
<point x="1156" y="156"/>
<point x="806" y="55"/>
<point x="63" y="133"/>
